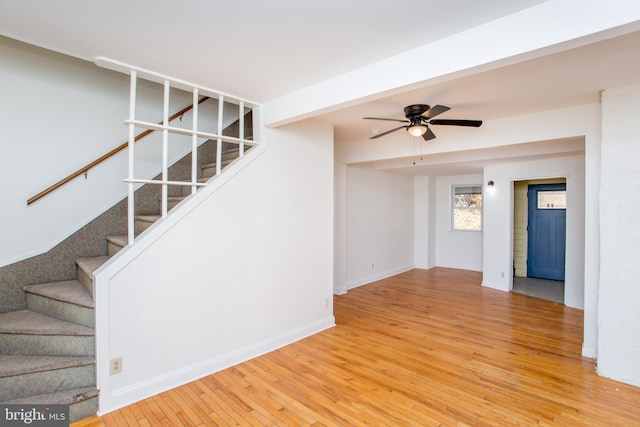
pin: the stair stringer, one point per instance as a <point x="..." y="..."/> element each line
<point x="129" y="254"/>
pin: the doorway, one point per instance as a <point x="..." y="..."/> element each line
<point x="539" y="238"/>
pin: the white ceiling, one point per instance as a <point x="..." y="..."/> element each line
<point x="254" y="49"/>
<point x="263" y="50"/>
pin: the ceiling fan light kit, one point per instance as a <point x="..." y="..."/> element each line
<point x="419" y="117"/>
<point x="417" y="129"/>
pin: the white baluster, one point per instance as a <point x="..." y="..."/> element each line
<point x="241" y="127"/>
<point x="165" y="148"/>
<point x="194" y="143"/>
<point x="130" y="186"/>
<point x="219" y="144"/>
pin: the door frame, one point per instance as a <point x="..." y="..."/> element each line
<point x="516" y="201"/>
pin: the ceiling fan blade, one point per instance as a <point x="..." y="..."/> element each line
<point x="388" y="132"/>
<point x="382" y="118"/>
<point x="434" y="111"/>
<point x="456" y="122"/>
<point x="428" y="135"/>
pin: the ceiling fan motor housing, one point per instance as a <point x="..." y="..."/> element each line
<point x="415" y="110"/>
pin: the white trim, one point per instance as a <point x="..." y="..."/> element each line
<point x="452" y="208"/>
<point x="189" y="132"/>
<point x="494" y="286"/>
<point x="378" y="276"/>
<point x="160" y="181"/>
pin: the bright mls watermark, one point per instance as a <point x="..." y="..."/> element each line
<point x="34" y="415"/>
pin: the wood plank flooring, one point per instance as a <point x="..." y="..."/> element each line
<point x="424" y="348"/>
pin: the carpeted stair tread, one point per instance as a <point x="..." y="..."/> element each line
<point x="60" y="398"/>
<point x="71" y="291"/>
<point x="148" y="218"/>
<point x="213" y="165"/>
<point x="91" y="264"/>
<point x="11" y="365"/>
<point x="116" y="243"/>
<point x="121" y="240"/>
<point x="174" y="201"/>
<point x="232" y="153"/>
<point x="27" y="322"/>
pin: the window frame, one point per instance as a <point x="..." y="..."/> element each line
<point x="453" y="208"/>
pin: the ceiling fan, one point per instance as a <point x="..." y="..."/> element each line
<point x="419" y="117"/>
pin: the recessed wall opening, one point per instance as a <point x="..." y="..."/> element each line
<point x="539" y="238"/>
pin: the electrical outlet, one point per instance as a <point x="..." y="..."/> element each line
<point x="116" y="365"/>
<point x="326" y="303"/>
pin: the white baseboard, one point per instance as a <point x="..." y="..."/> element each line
<point x="494" y="286"/>
<point x="378" y="276"/>
<point x="154" y="386"/>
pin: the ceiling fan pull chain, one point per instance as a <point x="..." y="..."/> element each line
<point x="414" y="151"/>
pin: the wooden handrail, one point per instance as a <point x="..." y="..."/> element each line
<point x="105" y="157"/>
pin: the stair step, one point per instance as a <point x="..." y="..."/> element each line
<point x="116" y="243"/>
<point x="82" y="402"/>
<point x="209" y="169"/>
<point x="228" y="156"/>
<point x="231" y="152"/>
<point x="173" y="201"/>
<point x="31" y="323"/>
<point x="70" y="291"/>
<point x="186" y="190"/>
<point x="23" y="376"/>
<point x="68" y="300"/>
<point x="11" y="365"/>
<point x="26" y="332"/>
<point x="86" y="267"/>
<point x="142" y="222"/>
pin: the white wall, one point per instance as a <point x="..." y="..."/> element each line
<point x="433" y="217"/>
<point x="456" y="249"/>
<point x="340" y="227"/>
<point x="618" y="313"/>
<point x="57" y="115"/>
<point x="379" y="224"/>
<point x="247" y="271"/>
<point x="421" y="221"/>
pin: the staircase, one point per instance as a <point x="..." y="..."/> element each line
<point x="47" y="351"/>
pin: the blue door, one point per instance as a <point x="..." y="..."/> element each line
<point x="546" y="231"/>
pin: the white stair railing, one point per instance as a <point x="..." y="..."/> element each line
<point x="166" y="129"/>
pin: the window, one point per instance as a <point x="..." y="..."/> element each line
<point x="552" y="199"/>
<point x="467" y="207"/>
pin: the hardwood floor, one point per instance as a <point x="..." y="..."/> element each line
<point x="426" y="347"/>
